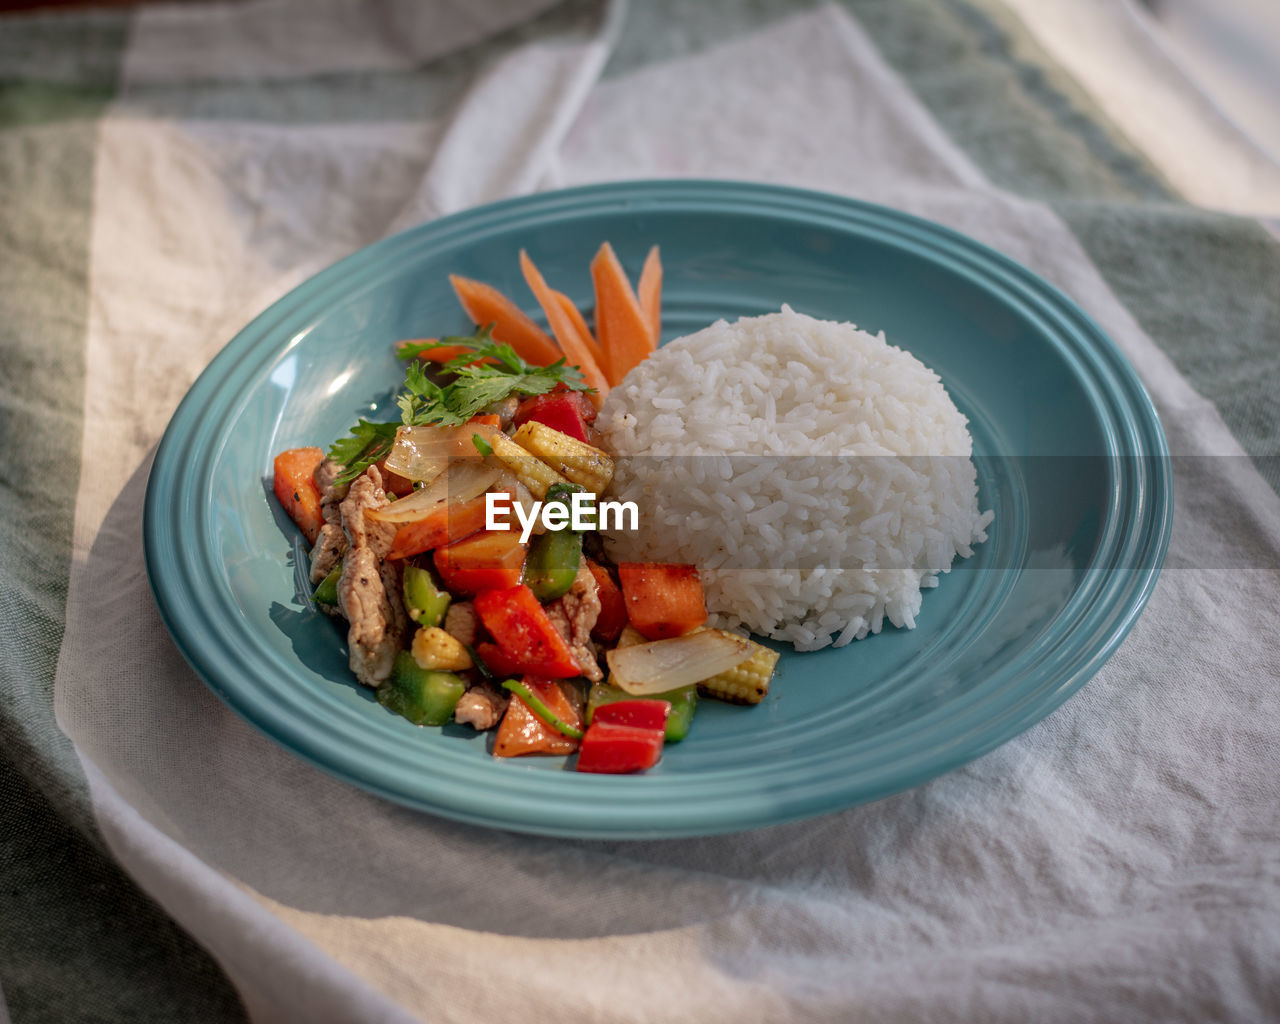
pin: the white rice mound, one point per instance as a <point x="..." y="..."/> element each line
<point x="808" y="548"/>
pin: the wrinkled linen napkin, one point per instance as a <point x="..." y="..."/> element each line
<point x="167" y="172"/>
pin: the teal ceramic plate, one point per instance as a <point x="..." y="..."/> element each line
<point x="1069" y="452"/>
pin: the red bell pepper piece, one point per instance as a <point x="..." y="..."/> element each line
<point x="662" y="600"/>
<point x="295" y="488"/>
<point x="498" y="661"/>
<point x="613" y="609"/>
<point x="440" y="526"/>
<point x="614" y="749"/>
<point x="560" y="411"/>
<point x="640" y="714"/>
<point x="482" y="561"/>
<point x="525" y="633"/>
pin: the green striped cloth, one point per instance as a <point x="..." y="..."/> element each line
<point x="165" y="173"/>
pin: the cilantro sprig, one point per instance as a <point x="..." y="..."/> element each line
<point x="488" y="372"/>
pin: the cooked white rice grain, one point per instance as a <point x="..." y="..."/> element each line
<point x="727" y="441"/>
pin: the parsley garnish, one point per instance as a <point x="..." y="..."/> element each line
<point x="367" y="443"/>
<point x="488" y="373"/>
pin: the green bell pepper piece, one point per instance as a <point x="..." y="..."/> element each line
<point x="422" y="696"/>
<point x="555" y="556"/>
<point x="423" y="600"/>
<point x="326" y="591"/>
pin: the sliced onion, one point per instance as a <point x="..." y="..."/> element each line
<point x="663" y="665"/>
<point x="421" y="454"/>
<point x="461" y="481"/>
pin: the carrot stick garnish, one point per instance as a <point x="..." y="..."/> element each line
<point x="650" y="294"/>
<point x="580" y="324"/>
<point x="575" y="346"/>
<point x="486" y="305"/>
<point x="624" y="332"/>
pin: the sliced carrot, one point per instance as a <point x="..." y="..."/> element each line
<point x="482" y="561"/>
<point x="440" y="526"/>
<point x="523" y="732"/>
<point x="486" y="305"/>
<point x="294" y="484"/>
<point x="580" y="323"/>
<point x="624" y="332"/>
<point x="662" y="599"/>
<point x="613" y="608"/>
<point x="649" y="292"/>
<point x="574" y="345"/>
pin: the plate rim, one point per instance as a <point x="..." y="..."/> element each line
<point x="1122" y="597"/>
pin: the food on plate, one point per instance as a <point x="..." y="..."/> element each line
<point x="818" y="477"/>
<point x="451" y="617"/>
<point x="799" y="478"/>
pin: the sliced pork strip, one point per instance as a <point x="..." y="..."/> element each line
<point x="574" y="616"/>
<point x="462" y="623"/>
<point x="481" y="707"/>
<point x="331" y="544"/>
<point x="369" y="590"/>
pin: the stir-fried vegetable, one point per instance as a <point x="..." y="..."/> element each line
<point x="526" y="694"/>
<point x="435" y="649"/>
<point x="683" y="702"/>
<point x="747" y="683"/>
<point x="571" y="458"/>
<point x="613" y="609"/>
<point x="530" y="470"/>
<point x="652" y="668"/>
<point x="462" y="481"/>
<point x="641" y="714"/>
<point x="424" y="697"/>
<point x="444" y="524"/>
<point x="295" y="488"/>
<point x="662" y="600"/>
<point x="611" y="749"/>
<point x="326" y="591"/>
<point x="424" y="602"/>
<point x="489" y="372"/>
<point x="554" y="557"/>
<point x="483" y="561"/>
<point x="561" y="411"/>
<point x="523" y="732"/>
<point x="423" y="453"/>
<point x="523" y="632"/>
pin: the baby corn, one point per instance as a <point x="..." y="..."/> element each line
<point x="529" y="469"/>
<point x="436" y="651"/>
<point x="580" y="462"/>
<point x="748" y="683"/>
